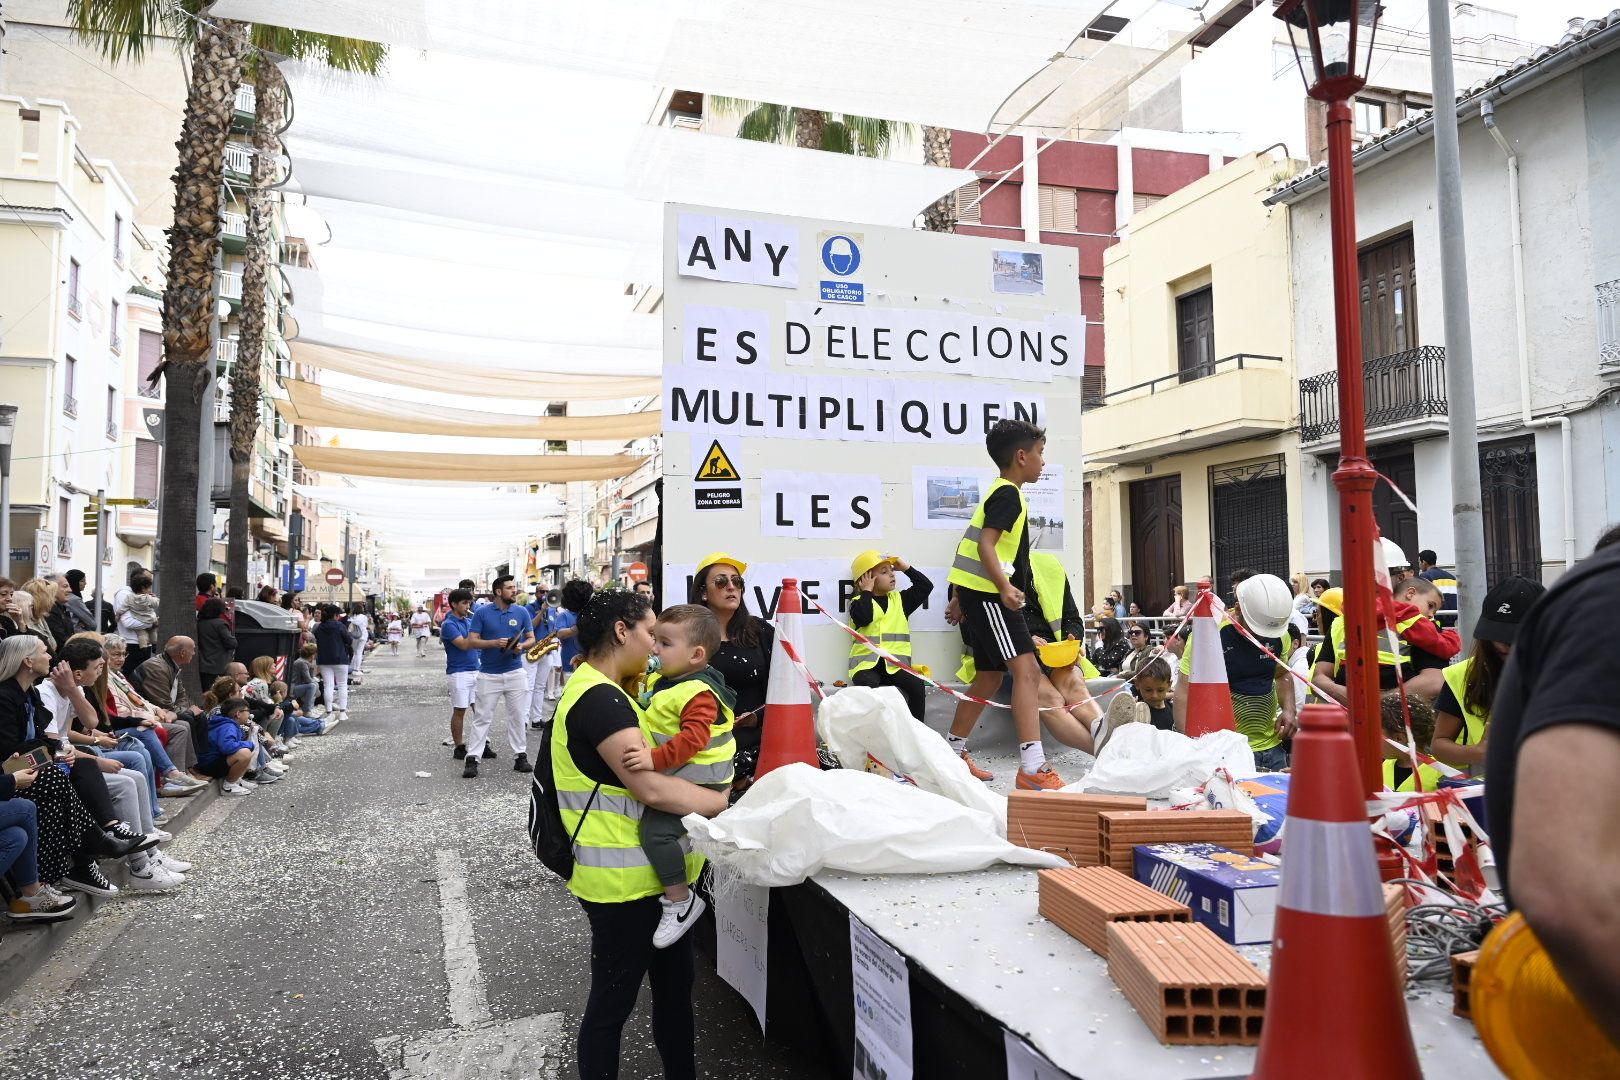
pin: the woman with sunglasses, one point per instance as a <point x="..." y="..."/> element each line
<point x="1141" y="644"/>
<point x="745" y="657"/>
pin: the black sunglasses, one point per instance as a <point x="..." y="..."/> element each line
<point x="722" y="580"/>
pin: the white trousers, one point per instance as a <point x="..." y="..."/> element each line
<point x="512" y="688"/>
<point x="335" y="686"/>
<point x="539" y="680"/>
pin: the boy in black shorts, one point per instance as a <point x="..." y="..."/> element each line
<point x="991" y="572"/>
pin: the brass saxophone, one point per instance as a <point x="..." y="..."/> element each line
<point x="549" y="643"/>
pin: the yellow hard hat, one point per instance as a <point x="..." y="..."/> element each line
<point x="714" y="557"/>
<point x="1060" y="654"/>
<point x="867" y="560"/>
<point x="1333" y="600"/>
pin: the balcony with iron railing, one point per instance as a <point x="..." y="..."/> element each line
<point x="64" y="546"/>
<point x="225" y="352"/>
<point x="112" y="430"/>
<point x="239" y="160"/>
<point x="70" y="405"/>
<point x="1405" y="395"/>
<point x="245" y="102"/>
<point x="233" y="231"/>
<point x="75" y="306"/>
<point x="1242" y="396"/>
<point x="230" y="285"/>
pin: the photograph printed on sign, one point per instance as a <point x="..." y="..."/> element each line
<point x="1046" y="513"/>
<point x="1022" y="273"/>
<point x="944" y="496"/>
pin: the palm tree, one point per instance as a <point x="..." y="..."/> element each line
<point x="128" y="28"/>
<point x="841" y="133"/>
<point x="810" y="129"/>
<point x="343" y="54"/>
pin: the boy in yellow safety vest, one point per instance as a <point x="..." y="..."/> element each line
<point x="1398" y="774"/>
<point x="884" y="616"/>
<point x="991" y="572"/>
<point x="689" y="713"/>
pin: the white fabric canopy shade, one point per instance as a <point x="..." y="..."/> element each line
<point x="483" y="468"/>
<point x="426" y="500"/>
<point x="314" y="405"/>
<point x="475" y="379"/>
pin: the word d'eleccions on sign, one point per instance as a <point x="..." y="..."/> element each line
<point x="841" y="257"/>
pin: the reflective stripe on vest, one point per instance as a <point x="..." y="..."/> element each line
<point x="661" y="720"/>
<point x="1051" y="585"/>
<point x="1385" y="657"/>
<point x="1474" y="721"/>
<point x="889" y="628"/>
<point x="966" y="569"/>
<point x="609" y="865"/>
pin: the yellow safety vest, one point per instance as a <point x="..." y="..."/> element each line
<point x="889" y="628"/>
<point x="1474" y="721"/>
<point x="1385" y="657"/>
<point x="1051" y="585"/>
<point x="966" y="570"/>
<point x="1431" y="777"/>
<point x="609" y="865"/>
<point x="662" y="722"/>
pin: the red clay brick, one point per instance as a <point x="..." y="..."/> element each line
<point x="1082" y="901"/>
<point x="1395" y="904"/>
<point x="1189" y="986"/>
<point x="1120" y="831"/>
<point x="1061" y="822"/>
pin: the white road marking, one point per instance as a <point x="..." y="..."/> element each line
<point x="469" y="1004"/>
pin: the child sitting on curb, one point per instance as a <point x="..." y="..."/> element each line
<point x="228" y="754"/>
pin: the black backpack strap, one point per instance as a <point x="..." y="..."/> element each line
<point x="587" y="813"/>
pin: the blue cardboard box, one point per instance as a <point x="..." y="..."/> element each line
<point x="1233" y="894"/>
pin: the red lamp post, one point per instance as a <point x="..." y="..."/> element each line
<point x="1333" y="43"/>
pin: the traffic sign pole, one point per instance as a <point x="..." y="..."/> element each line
<point x="101" y="551"/>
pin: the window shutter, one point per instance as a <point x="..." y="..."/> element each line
<point x="1140" y="203"/>
<point x="146" y="469"/>
<point x="1060" y="209"/>
<point x="967" y="206"/>
<point x="1093" y="385"/>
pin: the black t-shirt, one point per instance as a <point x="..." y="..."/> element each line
<point x="598" y="714"/>
<point x="1002" y="511"/>
<point x="1549" y="680"/>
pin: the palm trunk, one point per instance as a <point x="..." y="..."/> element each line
<point x="246" y="390"/>
<point x="807" y="128"/>
<point x="941" y="216"/>
<point x="188" y="307"/>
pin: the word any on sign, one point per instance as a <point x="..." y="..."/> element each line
<point x="741" y="250"/>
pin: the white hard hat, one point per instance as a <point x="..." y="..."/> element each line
<point x="1265" y="603"/>
<point x="1394" y="557"/>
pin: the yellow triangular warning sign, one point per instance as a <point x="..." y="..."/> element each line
<point x="716" y="465"/>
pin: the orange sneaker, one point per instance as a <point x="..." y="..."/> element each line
<point x="973" y="768"/>
<point x="1043" y="779"/>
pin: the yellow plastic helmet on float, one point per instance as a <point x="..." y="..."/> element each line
<point x="866" y="561"/>
<point x="1059" y="654"/>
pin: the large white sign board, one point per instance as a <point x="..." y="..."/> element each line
<point x="840" y="367"/>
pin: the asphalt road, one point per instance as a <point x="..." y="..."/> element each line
<point x="323" y="935"/>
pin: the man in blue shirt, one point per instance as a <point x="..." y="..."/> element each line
<point x="460" y="663"/>
<point x="501" y="632"/>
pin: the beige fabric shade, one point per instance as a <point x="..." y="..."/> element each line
<point x="474" y="379"/>
<point x="467" y="468"/>
<point x="314" y="405"/>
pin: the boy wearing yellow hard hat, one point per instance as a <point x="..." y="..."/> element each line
<point x="882" y="614"/>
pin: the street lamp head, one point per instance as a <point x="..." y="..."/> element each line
<point x="8" y="424"/>
<point x="1333" y="41"/>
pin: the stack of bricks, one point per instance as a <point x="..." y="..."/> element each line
<point x="1062" y="822"/>
<point x="1187" y="984"/>
<point x="1444" y="857"/>
<point x="1084" y="900"/>
<point x="1395" y="907"/>
<point x="1462" y="977"/>
<point x="1120" y="831"/>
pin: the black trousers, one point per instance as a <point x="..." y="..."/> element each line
<point x="913" y="689"/>
<point x="622" y="954"/>
<point x="92" y="789"/>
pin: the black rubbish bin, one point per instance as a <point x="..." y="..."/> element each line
<point x="266" y="630"/>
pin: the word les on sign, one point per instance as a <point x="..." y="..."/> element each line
<point x="830" y="505"/>
<point x="743" y="250"/>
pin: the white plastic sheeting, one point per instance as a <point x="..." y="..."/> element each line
<point x="797" y="820"/>
<point x="858" y="721"/>
<point x="1142" y="760"/>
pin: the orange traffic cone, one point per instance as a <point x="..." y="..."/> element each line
<point x="790" y="717"/>
<point x="1209" y="695"/>
<point x="1334" y="1006"/>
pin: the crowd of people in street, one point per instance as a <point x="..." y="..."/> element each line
<point x="99" y="730"/>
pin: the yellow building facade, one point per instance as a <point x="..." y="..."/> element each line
<point x="1192" y="458"/>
